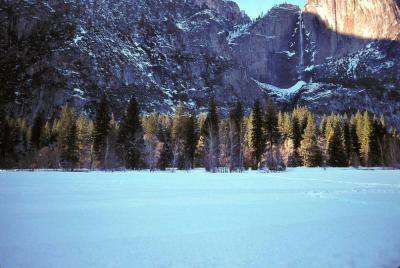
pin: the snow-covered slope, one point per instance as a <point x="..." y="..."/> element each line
<point x="307" y="218"/>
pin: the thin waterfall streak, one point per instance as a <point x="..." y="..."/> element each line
<point x="301" y="26"/>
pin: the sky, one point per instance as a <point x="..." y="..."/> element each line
<point x="254" y="8"/>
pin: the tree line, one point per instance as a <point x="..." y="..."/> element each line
<point x="266" y="139"/>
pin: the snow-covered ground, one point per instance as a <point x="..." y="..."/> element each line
<point x="300" y="218"/>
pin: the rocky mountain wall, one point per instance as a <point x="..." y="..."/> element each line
<point x="339" y="27"/>
<point x="58" y="51"/>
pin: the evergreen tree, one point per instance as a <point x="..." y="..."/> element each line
<point x="271" y="125"/>
<point x="234" y="142"/>
<point x="150" y="126"/>
<point x="273" y="158"/>
<point x="336" y="151"/>
<point x="45" y="137"/>
<point x="200" y="157"/>
<point x="225" y="145"/>
<point x="190" y="140"/>
<point x="257" y="137"/>
<point x="111" y="159"/>
<point x="286" y="129"/>
<point x="347" y="139"/>
<point x="37" y="130"/>
<point x="377" y="143"/>
<point x="309" y="149"/>
<point x="179" y="135"/>
<point x="67" y="138"/>
<point x="130" y="137"/>
<point x="392" y="149"/>
<point x="101" y="132"/>
<point x="236" y="137"/>
<point x="55" y="129"/>
<point x="211" y="135"/>
<point x="10" y="140"/>
<point x="365" y="138"/>
<point x="281" y="125"/>
<point x="355" y="153"/>
<point x="19" y="140"/>
<point x="296" y="133"/>
<point x="82" y="138"/>
<point x="4" y="139"/>
<point x="302" y="114"/>
<point x="296" y="137"/>
<point x="358" y="121"/>
<point x="14" y="140"/>
<point x="331" y="121"/>
<point x="24" y="139"/>
<point x="165" y="152"/>
<point x="70" y="154"/>
<point x="67" y="117"/>
<point x="91" y="143"/>
<point x="322" y="126"/>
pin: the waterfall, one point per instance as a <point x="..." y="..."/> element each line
<point x="301" y="39"/>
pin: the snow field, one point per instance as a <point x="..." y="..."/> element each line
<point x="299" y="218"/>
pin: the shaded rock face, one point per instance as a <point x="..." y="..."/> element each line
<point x="53" y="52"/>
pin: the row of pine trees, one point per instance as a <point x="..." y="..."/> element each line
<point x="267" y="139"/>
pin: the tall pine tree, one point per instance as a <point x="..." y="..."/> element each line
<point x="211" y="135"/>
<point x="365" y="138"/>
<point x="191" y="134"/>
<point x="271" y="125"/>
<point x="309" y="149"/>
<point x="4" y="140"/>
<point x="296" y="133"/>
<point x="347" y="139"/>
<point x="236" y="137"/>
<point x="82" y="139"/>
<point x="178" y="135"/>
<point x="67" y="138"/>
<point x="356" y="148"/>
<point x="336" y="151"/>
<point x="101" y="132"/>
<point x="257" y="137"/>
<point x="70" y="153"/>
<point x="322" y="125"/>
<point x="165" y="152"/>
<point x="130" y="137"/>
<point x="36" y="131"/>
<point x="377" y="143"/>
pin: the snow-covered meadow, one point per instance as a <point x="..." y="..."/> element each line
<point x="300" y="218"/>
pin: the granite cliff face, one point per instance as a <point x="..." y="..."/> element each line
<point x="355" y="56"/>
<point x="269" y="47"/>
<point x="162" y="51"/>
<point x="352" y="16"/>
<point x="339" y="27"/>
